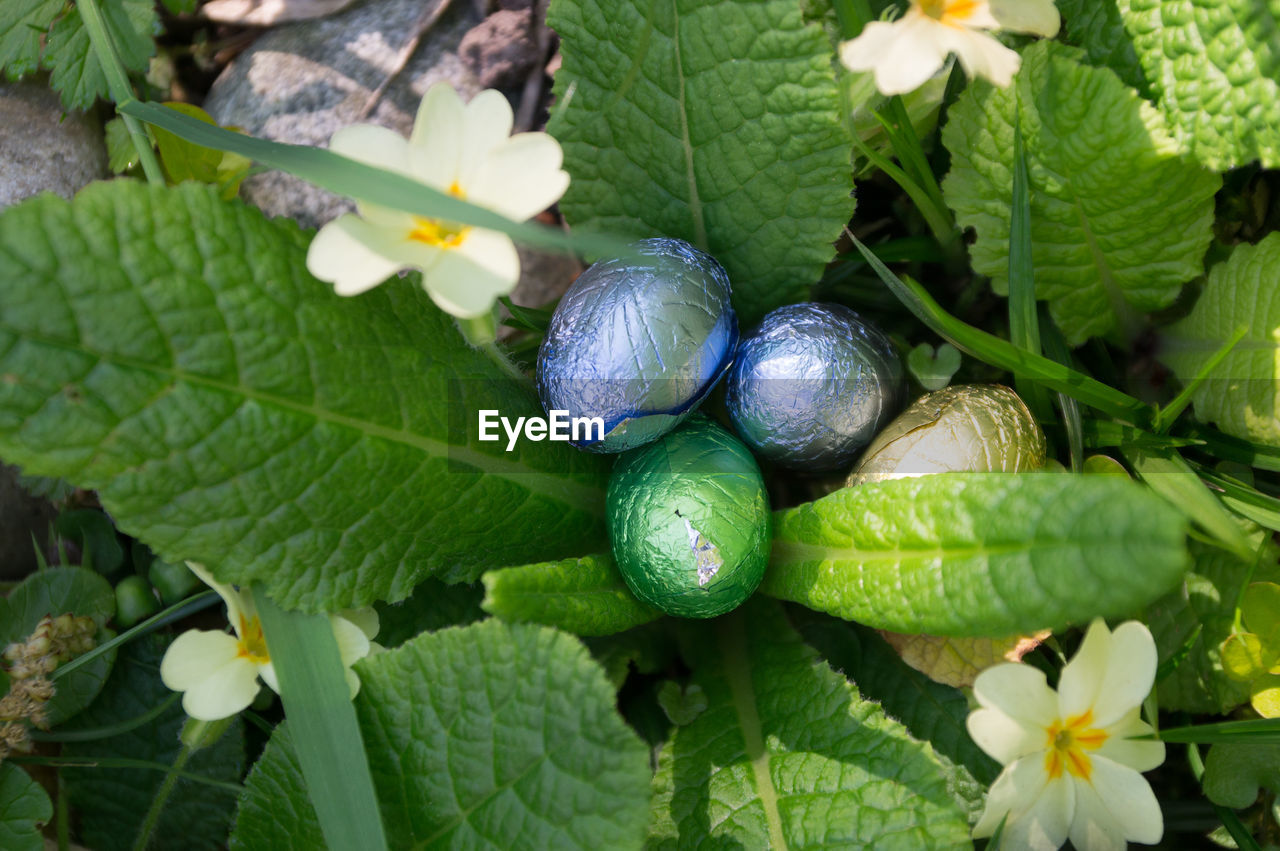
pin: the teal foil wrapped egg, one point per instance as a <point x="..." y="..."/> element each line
<point x="689" y="521"/>
<point x="639" y="343"/>
<point x="812" y="385"/>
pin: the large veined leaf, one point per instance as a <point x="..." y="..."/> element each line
<point x="170" y="351"/>
<point x="1242" y="393"/>
<point x="978" y="554"/>
<point x="716" y="122"/>
<point x="1097" y="26"/>
<point x="585" y="596"/>
<point x="1120" y="219"/>
<point x="1215" y="66"/>
<point x="490" y="735"/>
<point x="932" y="712"/>
<point x="788" y="755"/>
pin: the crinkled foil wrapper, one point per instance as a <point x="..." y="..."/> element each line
<point x="976" y="428"/>
<point x="639" y="343"/>
<point x="812" y="385"/>
<point x="689" y="521"/>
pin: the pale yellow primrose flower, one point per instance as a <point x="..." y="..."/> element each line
<point x="467" y="152"/>
<point x="1072" y="769"/>
<point x="218" y="673"/>
<point x="907" y="52"/>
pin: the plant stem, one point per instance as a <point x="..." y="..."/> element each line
<point x="162" y="797"/>
<point x="118" y="85"/>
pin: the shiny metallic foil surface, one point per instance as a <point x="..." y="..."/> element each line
<point x="639" y="343"/>
<point x="974" y="428"/>
<point x="812" y="385"/>
<point x="689" y="521"/>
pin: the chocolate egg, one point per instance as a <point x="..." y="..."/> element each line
<point x="639" y="342"/>
<point x="812" y="385"/>
<point x="689" y="521"/>
<point x="975" y="428"/>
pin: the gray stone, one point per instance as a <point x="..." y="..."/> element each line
<point x="44" y="148"/>
<point x="302" y="82"/>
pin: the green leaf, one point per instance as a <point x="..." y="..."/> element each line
<point x="1242" y="394"/>
<point x="1214" y="66"/>
<point x="110" y="803"/>
<point x="491" y="734"/>
<point x="23" y="24"/>
<point x="77" y="73"/>
<point x="585" y="596"/>
<point x="719" y="123"/>
<point x="649" y="649"/>
<point x="24" y="807"/>
<point x="788" y="755"/>
<point x="56" y="591"/>
<point x="931" y="711"/>
<point x="183" y="160"/>
<point x="317" y="700"/>
<point x="171" y="352"/>
<point x="1097" y="26"/>
<point x="1119" y="219"/>
<point x="978" y="554"/>
<point x="1233" y="773"/>
<point x="1206" y="600"/>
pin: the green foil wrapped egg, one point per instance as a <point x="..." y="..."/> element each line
<point x="974" y="428"/>
<point x="689" y="521"/>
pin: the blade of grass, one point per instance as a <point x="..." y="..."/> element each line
<point x="1055" y="347"/>
<point x="1225" y="447"/>
<point x="353" y="179"/>
<point x="94" y="733"/>
<point x="1024" y="319"/>
<point x="1165" y="416"/>
<point x="1168" y="474"/>
<point x="1256" y="731"/>
<point x="1001" y="353"/>
<point x="938" y="223"/>
<point x="317" y="703"/>
<point x="1259" y="507"/>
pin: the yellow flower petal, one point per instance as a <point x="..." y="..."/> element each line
<point x="1019" y="691"/>
<point x="352" y="254"/>
<point x="223" y="692"/>
<point x="1111" y="674"/>
<point x="1003" y="738"/>
<point x="486" y="125"/>
<point x="1123" y="747"/>
<point x="233" y="599"/>
<point x="436" y="143"/>
<point x="1115" y="805"/>
<point x="353" y="644"/>
<point x="365" y="618"/>
<point x="520" y="178"/>
<point x="466" y="280"/>
<point x="372" y="145"/>
<point x="982" y="56"/>
<point x="1038" y="810"/>
<point x="193" y="655"/>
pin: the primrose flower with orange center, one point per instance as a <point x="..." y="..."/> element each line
<point x="468" y="152"/>
<point x="907" y="52"/>
<point x="218" y="672"/>
<point x="1072" y="764"/>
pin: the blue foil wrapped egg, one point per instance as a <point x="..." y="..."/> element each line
<point x="639" y="342"/>
<point x="812" y="385"/>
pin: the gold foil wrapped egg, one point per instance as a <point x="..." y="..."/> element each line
<point x="977" y="428"/>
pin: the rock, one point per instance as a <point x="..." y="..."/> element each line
<point x="301" y="82"/>
<point x="501" y="50"/>
<point x="45" y="148"/>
